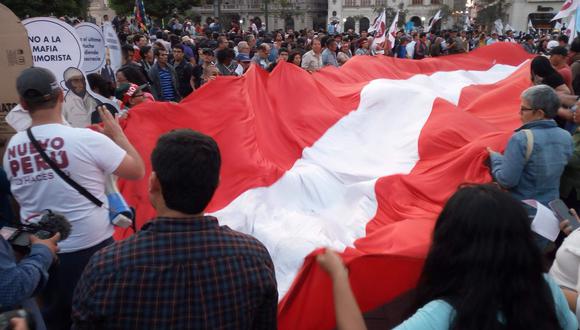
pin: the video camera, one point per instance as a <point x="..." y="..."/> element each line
<point x="50" y="223"/>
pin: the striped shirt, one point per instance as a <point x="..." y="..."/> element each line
<point x="167" y="88"/>
<point x="186" y="273"/>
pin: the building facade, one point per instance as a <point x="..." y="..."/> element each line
<point x="98" y="8"/>
<point x="539" y="12"/>
<point x="294" y="14"/>
<point x="359" y="14"/>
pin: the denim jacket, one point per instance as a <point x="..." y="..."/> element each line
<point x="539" y="177"/>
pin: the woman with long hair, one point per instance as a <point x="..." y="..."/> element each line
<point x="543" y="73"/>
<point x="483" y="271"/>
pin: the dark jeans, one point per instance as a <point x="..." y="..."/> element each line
<point x="63" y="278"/>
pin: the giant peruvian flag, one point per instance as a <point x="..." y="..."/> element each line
<point x="360" y="159"/>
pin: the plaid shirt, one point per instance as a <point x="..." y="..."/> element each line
<point x="179" y="274"/>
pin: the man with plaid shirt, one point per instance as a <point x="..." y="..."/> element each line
<point x="182" y="270"/>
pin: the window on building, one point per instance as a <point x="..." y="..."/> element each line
<point x="381" y="3"/>
<point x="417" y="2"/>
<point x="350" y="3"/>
<point x="435" y="2"/>
<point x="365" y="3"/>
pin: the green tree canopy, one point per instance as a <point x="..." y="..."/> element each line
<point x="35" y="8"/>
<point x="155" y="8"/>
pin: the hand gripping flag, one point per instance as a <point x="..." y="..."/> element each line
<point x="363" y="167"/>
<point x="567" y="9"/>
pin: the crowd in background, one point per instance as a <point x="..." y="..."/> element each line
<point x="486" y="268"/>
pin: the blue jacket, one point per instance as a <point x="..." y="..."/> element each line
<point x="19" y="282"/>
<point x="539" y="177"/>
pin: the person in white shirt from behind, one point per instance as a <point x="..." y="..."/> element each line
<point x="85" y="156"/>
<point x="566" y="267"/>
<point x="19" y="119"/>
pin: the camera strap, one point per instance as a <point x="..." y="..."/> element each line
<point x="60" y="173"/>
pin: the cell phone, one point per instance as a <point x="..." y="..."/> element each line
<point x="562" y="212"/>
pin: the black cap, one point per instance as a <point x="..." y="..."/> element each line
<point x="559" y="50"/>
<point x="36" y="85"/>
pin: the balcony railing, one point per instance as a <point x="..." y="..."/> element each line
<point x="350" y="3"/>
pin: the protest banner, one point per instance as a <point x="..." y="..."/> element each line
<point x="112" y="45"/>
<point x="56" y="46"/>
<point x="93" y="43"/>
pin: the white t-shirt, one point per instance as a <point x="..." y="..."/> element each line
<point x="87" y="157"/>
<point x="411" y="49"/>
<point x="19" y="119"/>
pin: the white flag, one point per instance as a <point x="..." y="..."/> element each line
<point x="380" y="27"/>
<point x="509" y="28"/>
<point x="467" y="23"/>
<point x="377" y="23"/>
<point x="433" y="21"/>
<point x="567" y="9"/>
<point x="558" y="26"/>
<point x="531" y="26"/>
<point x="571" y="30"/>
<point x="393" y="31"/>
<point x="498" y="26"/>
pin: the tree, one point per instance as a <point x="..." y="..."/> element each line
<point x="490" y="12"/>
<point x="36" y="8"/>
<point x="155" y="8"/>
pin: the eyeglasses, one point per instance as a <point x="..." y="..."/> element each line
<point x="522" y="109"/>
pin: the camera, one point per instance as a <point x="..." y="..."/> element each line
<point x="50" y="223"/>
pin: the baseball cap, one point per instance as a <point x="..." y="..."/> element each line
<point x="208" y="51"/>
<point x="559" y="50"/>
<point x="551" y="44"/>
<point x="36" y="85"/>
<point x="243" y="58"/>
<point x="125" y="91"/>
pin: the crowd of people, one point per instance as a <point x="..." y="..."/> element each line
<point x="486" y="268"/>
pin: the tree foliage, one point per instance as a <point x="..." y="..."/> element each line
<point x="36" y="8"/>
<point x="154" y="8"/>
<point x="492" y="11"/>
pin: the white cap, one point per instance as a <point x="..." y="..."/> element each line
<point x="552" y="44"/>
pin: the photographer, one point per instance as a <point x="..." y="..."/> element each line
<point x="79" y="154"/>
<point x="19" y="282"/>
